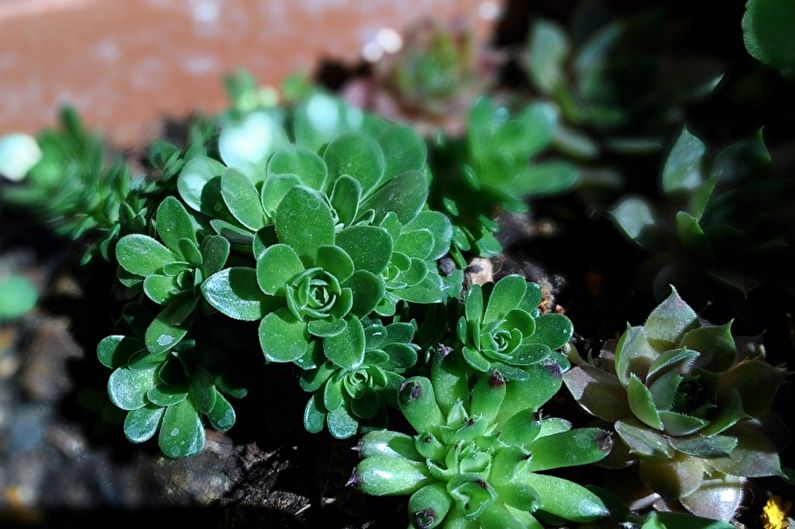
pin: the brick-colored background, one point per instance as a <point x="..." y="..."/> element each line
<point x="125" y="63"/>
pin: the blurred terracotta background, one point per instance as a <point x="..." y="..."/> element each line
<point x="126" y="63"/>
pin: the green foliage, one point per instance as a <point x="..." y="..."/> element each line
<point x="502" y="328"/>
<point x="767" y="32"/>
<point x="703" y="226"/>
<point x="17" y="296"/>
<point x="687" y="404"/>
<point x="488" y="170"/>
<point x="478" y="457"/>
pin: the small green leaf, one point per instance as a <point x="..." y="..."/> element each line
<point x="326" y="328"/>
<point x="314" y="415"/>
<point x="235" y="292"/>
<point x="173" y="223"/>
<point x="346" y="349"/>
<point x="573" y="448"/>
<point x="166" y="395"/>
<point x="161" y="289"/>
<point x="367" y="289"/>
<point x="303" y="221"/>
<point x="181" y="432"/>
<point x="356" y="155"/>
<point x="390" y="476"/>
<point x="547" y="51"/>
<point x="641" y="403"/>
<point x="405" y="195"/>
<point x="345" y="198"/>
<point x="341" y="425"/>
<point x="141" y="425"/>
<point x="669" y="321"/>
<point x="683" y="167"/>
<point x="370" y="247"/>
<point x="635" y="217"/>
<point x="171" y="325"/>
<point x="215" y="252"/>
<point x="202" y="390"/>
<point x="755" y="381"/>
<point x="566" y="499"/>
<point x="283" y="338"/>
<point x="127" y="387"/>
<point x="194" y="177"/>
<point x="643" y="441"/>
<point x="277" y="265"/>
<point x="335" y="261"/>
<point x="441" y="228"/>
<point x="753" y="457"/>
<point x="554" y="330"/>
<point x="598" y="392"/>
<point x="415" y="243"/>
<point x="242" y="199"/>
<point x="705" y="447"/>
<point x="300" y="161"/>
<point x="114" y="351"/>
<point x="545" y="178"/>
<point x="679" y="424"/>
<point x="404" y="150"/>
<point x="142" y="255"/>
<point x="222" y="416"/>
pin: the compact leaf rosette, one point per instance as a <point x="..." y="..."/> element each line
<point x="689" y="405"/>
<point x="478" y="458"/>
<point x="310" y="222"/>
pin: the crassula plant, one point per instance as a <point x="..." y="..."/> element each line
<point x="689" y="406"/>
<point x="479" y="457"/>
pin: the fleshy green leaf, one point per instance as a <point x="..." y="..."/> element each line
<point x="404" y="150"/>
<point x="335" y="261"/>
<point x="575" y="447"/>
<point x="669" y="321"/>
<point x="300" y="161"/>
<point x="683" y="167"/>
<point x="194" y="177"/>
<point x="142" y="255"/>
<point x="127" y="387"/>
<point x="508" y="292"/>
<point x="277" y="265"/>
<point x="242" y="199"/>
<point x="553" y="330"/>
<point x="405" y="195"/>
<point x="215" y="252"/>
<point x="370" y="247"/>
<point x="356" y="155"/>
<point x="565" y="499"/>
<point x="345" y="198"/>
<point x="181" y="433"/>
<point x="114" y="351"/>
<point x="767" y="32"/>
<point x="303" y="221"/>
<point x="222" y="416"/>
<point x="235" y="292"/>
<point x="643" y="441"/>
<point x="547" y="50"/>
<point x="173" y="223"/>
<point x="347" y="348"/>
<point x="282" y="337"/>
<point x="598" y="392"/>
<point x="141" y="425"/>
<point x="171" y="325"/>
<point x="368" y="290"/>
<point x="341" y="425"/>
<point x="641" y="403"/>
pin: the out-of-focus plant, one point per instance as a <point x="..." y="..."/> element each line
<point x="689" y="406"/>
<point x="492" y="168"/>
<point x="478" y="458"/>
<point x="428" y="76"/>
<point x="17" y="296"/>
<point x="724" y="216"/>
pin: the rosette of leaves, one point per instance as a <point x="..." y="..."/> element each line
<point x="75" y="190"/>
<point x="689" y="407"/>
<point x="619" y="84"/>
<point x="502" y="328"/>
<point x="477" y="459"/>
<point x="170" y="273"/>
<point x="701" y="229"/>
<point x="170" y="392"/>
<point x="491" y="168"/>
<point x="348" y="400"/>
<point x="431" y="80"/>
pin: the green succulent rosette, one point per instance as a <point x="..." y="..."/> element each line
<point x="478" y="458"/>
<point x="689" y="407"/>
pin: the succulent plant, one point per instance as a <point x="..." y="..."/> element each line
<point x="702" y="230"/>
<point x="489" y="170"/>
<point x="74" y="190"/>
<point x="345" y="397"/>
<point x="168" y="392"/>
<point x="170" y="275"/>
<point x="618" y="81"/>
<point x="431" y="80"/>
<point x="502" y="328"/>
<point x="688" y="406"/>
<point x="477" y="459"/>
<point x="766" y="33"/>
